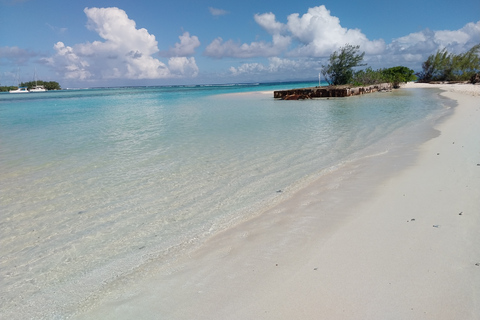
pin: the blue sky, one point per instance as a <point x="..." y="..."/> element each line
<point x="115" y="43"/>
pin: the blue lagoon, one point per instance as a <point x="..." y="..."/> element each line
<point x="97" y="184"/>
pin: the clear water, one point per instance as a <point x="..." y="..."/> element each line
<point x="95" y="183"/>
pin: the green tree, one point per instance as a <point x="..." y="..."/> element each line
<point x="367" y="77"/>
<point x="467" y="64"/>
<point x="52" y="85"/>
<point x="397" y="75"/>
<point x="445" y="66"/>
<point x="49" y="85"/>
<point x="340" y="68"/>
<point x="7" y="88"/>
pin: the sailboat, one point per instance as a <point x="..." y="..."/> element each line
<point x="20" y="89"/>
<point x="37" y="88"/>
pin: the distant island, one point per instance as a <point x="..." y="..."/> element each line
<point x="49" y="85"/>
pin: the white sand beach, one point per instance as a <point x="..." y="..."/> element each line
<point x="397" y="239"/>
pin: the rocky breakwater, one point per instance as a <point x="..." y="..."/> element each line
<point x="329" y="92"/>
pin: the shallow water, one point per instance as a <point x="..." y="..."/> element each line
<point x="96" y="183"/>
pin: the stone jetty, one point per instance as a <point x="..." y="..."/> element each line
<point x="329" y="92"/>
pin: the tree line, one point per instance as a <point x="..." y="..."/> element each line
<point x="445" y="66"/>
<point x="49" y="85"/>
<point x="442" y="66"/>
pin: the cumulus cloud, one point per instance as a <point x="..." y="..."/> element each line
<point x="313" y="36"/>
<point x="320" y="33"/>
<point x="280" y="42"/>
<point x="316" y="34"/>
<point x="185" y="48"/>
<point x="126" y="52"/>
<point x="456" y="41"/>
<point x="268" y="22"/>
<point x="67" y="60"/>
<point x="183" y="65"/>
<point x="414" y="48"/>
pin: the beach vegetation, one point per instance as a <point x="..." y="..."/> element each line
<point x="49" y="85"/>
<point x="394" y="75"/>
<point x="398" y="75"/>
<point x="340" y="69"/>
<point x="7" y="88"/>
<point x="367" y="77"/>
<point x="446" y="66"/>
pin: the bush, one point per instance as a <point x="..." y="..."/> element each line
<point x="395" y="76"/>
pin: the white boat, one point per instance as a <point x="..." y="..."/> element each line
<point x="37" y="88"/>
<point x="20" y="90"/>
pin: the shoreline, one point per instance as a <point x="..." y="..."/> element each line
<point x="376" y="256"/>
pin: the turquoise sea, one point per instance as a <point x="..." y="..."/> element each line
<point x="97" y="183"/>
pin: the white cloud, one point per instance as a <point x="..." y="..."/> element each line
<point x="316" y="33"/>
<point x="219" y="49"/>
<point x="185" y="48"/>
<point x="321" y="33"/>
<point x="287" y="67"/>
<point x="126" y="51"/>
<point x="416" y="47"/>
<point x="74" y="67"/>
<point x="183" y="66"/>
<point x="459" y="40"/>
<point x="268" y="22"/>
<point x="217" y="12"/>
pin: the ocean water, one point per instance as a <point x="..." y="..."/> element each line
<point x="97" y="183"/>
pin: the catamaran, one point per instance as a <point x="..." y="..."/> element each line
<point x="37" y="88"/>
<point x="19" y="90"/>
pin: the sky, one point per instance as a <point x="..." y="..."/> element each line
<point x="163" y="42"/>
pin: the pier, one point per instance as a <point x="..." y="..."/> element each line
<point x="329" y="92"/>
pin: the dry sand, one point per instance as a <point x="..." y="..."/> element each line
<point x="405" y="244"/>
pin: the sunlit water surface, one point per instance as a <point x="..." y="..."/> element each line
<point x="95" y="183"/>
